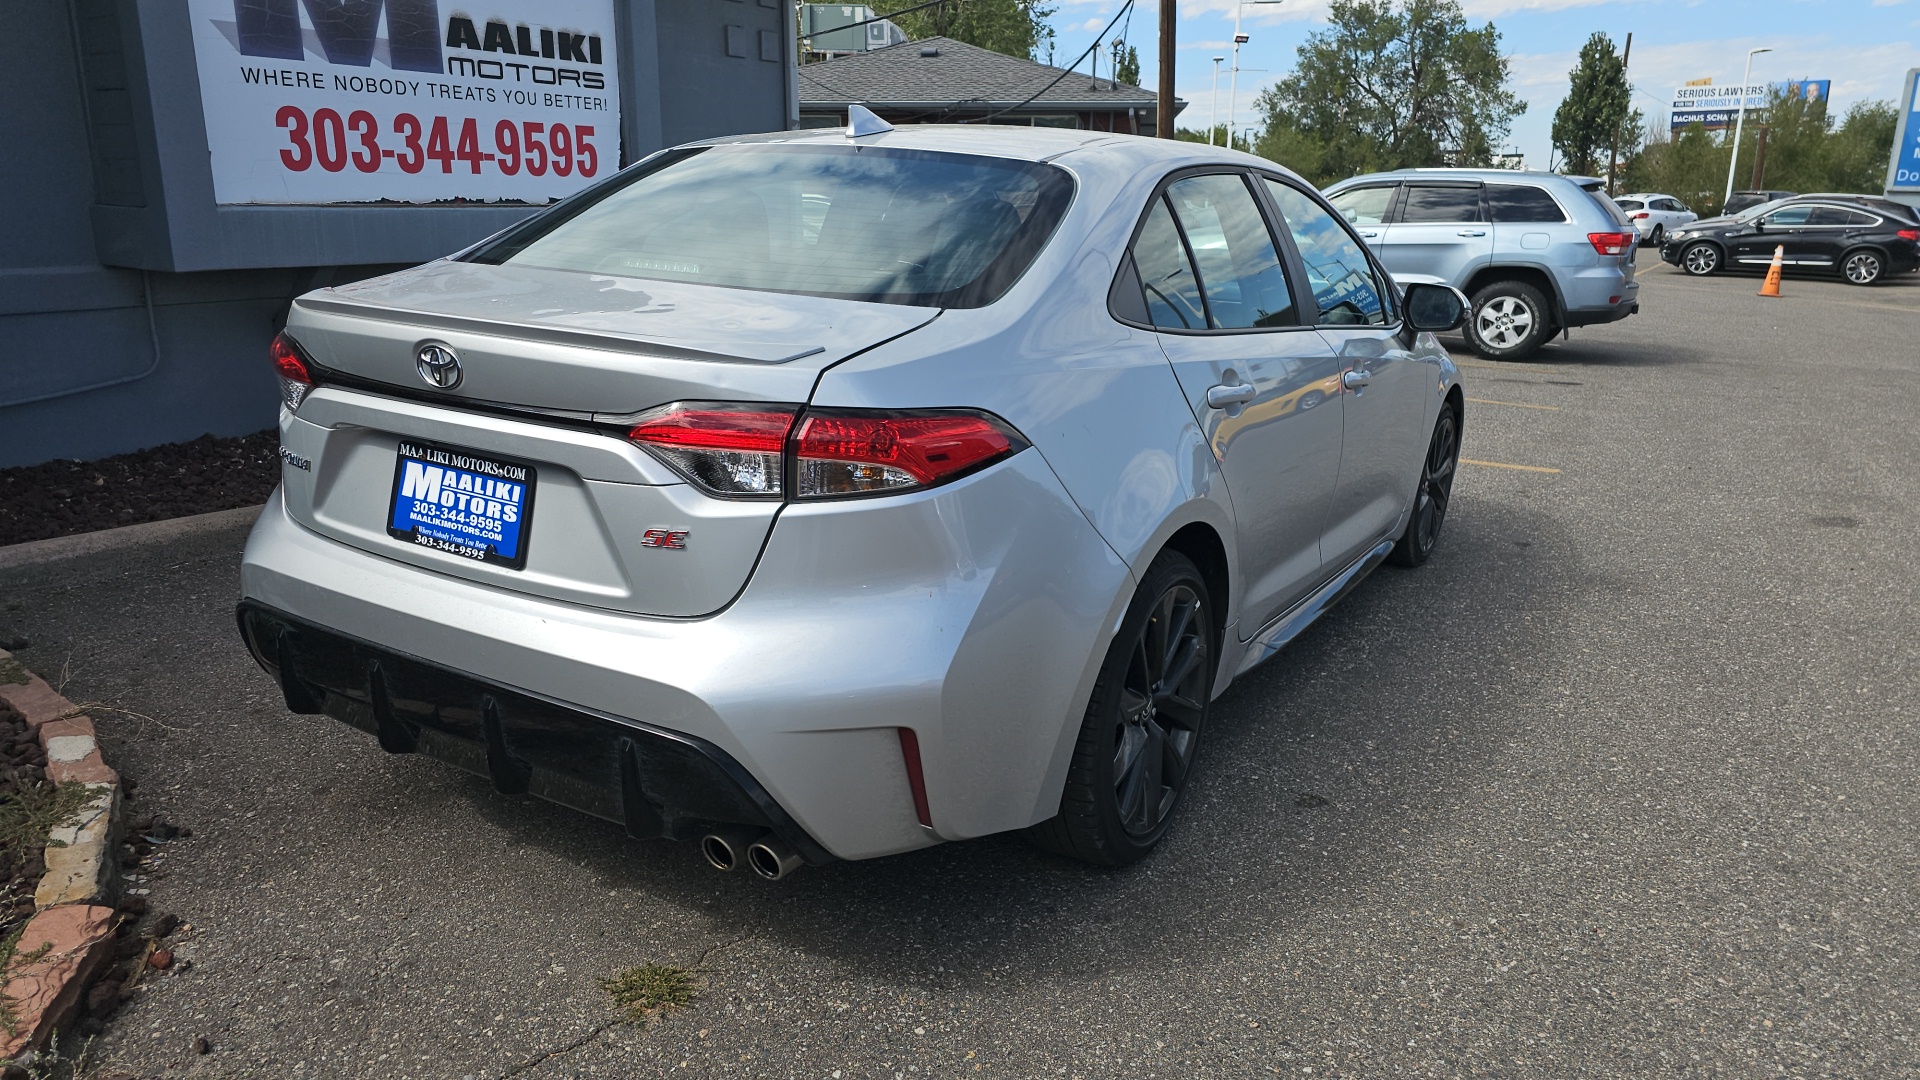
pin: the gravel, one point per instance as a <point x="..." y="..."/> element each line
<point x="60" y="498"/>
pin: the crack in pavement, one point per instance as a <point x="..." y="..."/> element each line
<point x="561" y="1051"/>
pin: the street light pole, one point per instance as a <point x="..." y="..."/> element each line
<point x="1233" y="79"/>
<point x="1739" y="125"/>
<point x="1213" y="109"/>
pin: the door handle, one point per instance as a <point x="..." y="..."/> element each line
<point x="1355" y="379"/>
<point x="1226" y="397"/>
<point x="1471" y="232"/>
<point x="1369" y="235"/>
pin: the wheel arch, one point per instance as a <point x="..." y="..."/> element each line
<point x="1200" y="542"/>
<point x="1536" y="276"/>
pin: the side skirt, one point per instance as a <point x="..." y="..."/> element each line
<point x="1288" y="624"/>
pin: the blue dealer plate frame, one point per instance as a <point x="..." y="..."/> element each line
<point x="462" y="502"/>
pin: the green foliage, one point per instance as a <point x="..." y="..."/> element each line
<point x="1805" y="151"/>
<point x="1390" y="84"/>
<point x="1126" y="64"/>
<point x="642" y="992"/>
<point x="1243" y="142"/>
<point x="1597" y="110"/>
<point x="1014" y="27"/>
<point x="31" y="810"/>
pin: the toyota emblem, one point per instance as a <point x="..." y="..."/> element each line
<point x="438" y="364"/>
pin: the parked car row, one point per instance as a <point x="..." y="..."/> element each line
<point x="1859" y="237"/>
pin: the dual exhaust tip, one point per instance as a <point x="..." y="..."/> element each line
<point x="768" y="855"/>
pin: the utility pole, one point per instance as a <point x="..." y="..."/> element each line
<point x="1163" y="116"/>
<point x="1613" y="156"/>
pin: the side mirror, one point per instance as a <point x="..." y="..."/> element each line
<point x="1436" y="308"/>
<point x="1759" y="224"/>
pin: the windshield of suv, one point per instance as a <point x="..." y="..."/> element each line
<point x="854" y="222"/>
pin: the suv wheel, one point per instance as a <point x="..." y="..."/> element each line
<point x="1700" y="259"/>
<point x="1659" y="234"/>
<point x="1862" y="267"/>
<point x="1509" y="321"/>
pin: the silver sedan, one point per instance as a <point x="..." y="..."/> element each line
<point x="833" y="494"/>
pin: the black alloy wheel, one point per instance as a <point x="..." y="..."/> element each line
<point x="1862" y="267"/>
<point x="1434" y="494"/>
<point x="1142" y="728"/>
<point x="1700" y="259"/>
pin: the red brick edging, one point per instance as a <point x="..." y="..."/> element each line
<point x="70" y="937"/>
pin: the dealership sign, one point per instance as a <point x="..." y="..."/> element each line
<point x="358" y="101"/>
<point x="1716" y="107"/>
<point x="1903" y="173"/>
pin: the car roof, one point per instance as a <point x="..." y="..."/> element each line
<point x="1020" y="144"/>
<point x="1510" y="176"/>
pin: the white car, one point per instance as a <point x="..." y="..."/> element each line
<point x="1654" y="216"/>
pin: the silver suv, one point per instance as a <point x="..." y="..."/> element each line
<point x="1538" y="253"/>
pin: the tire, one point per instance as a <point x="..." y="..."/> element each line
<point x="1700" y="259"/>
<point x="1862" y="266"/>
<point x="1433" y="494"/>
<point x="1659" y="234"/>
<point x="1138" y="740"/>
<point x="1508" y="321"/>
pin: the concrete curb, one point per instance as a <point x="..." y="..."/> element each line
<point x="149" y="532"/>
<point x="70" y="938"/>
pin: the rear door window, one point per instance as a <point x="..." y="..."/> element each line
<point x="1521" y="203"/>
<point x="1437" y="203"/>
<point x="1166" y="274"/>
<point x="1345" y="287"/>
<point x="1833" y="215"/>
<point x="1365" y="205"/>
<point x="1239" y="268"/>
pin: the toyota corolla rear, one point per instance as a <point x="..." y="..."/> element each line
<point x="557" y="510"/>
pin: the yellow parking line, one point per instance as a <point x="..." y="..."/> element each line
<point x="1508" y="365"/>
<point x="1504" y="465"/>
<point x="1515" y="404"/>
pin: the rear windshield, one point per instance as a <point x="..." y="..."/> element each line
<point x="854" y="222"/>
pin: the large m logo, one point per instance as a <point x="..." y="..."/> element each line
<point x="345" y="28"/>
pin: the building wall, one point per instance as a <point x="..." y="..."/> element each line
<point x="107" y="345"/>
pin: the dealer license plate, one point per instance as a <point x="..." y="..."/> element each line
<point x="463" y="503"/>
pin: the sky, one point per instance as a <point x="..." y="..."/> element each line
<point x="1863" y="46"/>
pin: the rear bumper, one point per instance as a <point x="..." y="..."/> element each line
<point x="1595" y="316"/>
<point x="973" y="614"/>
<point x="658" y="783"/>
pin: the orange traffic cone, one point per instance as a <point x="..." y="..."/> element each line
<point x="1772" y="286"/>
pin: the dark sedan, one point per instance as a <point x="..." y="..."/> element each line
<point x="1861" y="239"/>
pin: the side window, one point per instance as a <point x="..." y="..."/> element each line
<point x="1345" y="288"/>
<point x="1665" y="204"/>
<point x="1365" y="205"/>
<point x="1173" y="293"/>
<point x="1517" y="203"/>
<point x="1239" y="268"/>
<point x="1833" y="215"/>
<point x="1436" y="203"/>
<point x="1789" y="215"/>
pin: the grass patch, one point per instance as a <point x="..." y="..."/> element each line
<point x="646" y="991"/>
<point x="13" y="671"/>
<point x="30" y="811"/>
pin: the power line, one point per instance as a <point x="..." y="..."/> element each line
<point x="1064" y="72"/>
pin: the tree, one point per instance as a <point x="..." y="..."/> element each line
<point x="1014" y="27"/>
<point x="1126" y="63"/>
<point x="1390" y="84"/>
<point x="1597" y="110"/>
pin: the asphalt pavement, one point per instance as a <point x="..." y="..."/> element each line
<point x="1623" y="783"/>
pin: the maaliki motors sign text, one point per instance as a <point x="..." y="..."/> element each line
<point x="522" y="104"/>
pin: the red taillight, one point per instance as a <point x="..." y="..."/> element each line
<point x="728" y="449"/>
<point x="291" y="367"/>
<point x="1908" y="234"/>
<point x="743" y="450"/>
<point x="1641" y="216"/>
<point x="1611" y="243"/>
<point x="858" y="453"/>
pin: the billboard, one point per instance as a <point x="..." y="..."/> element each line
<point x="1718" y="107"/>
<point x="1903" y="172"/>
<point x="389" y="101"/>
